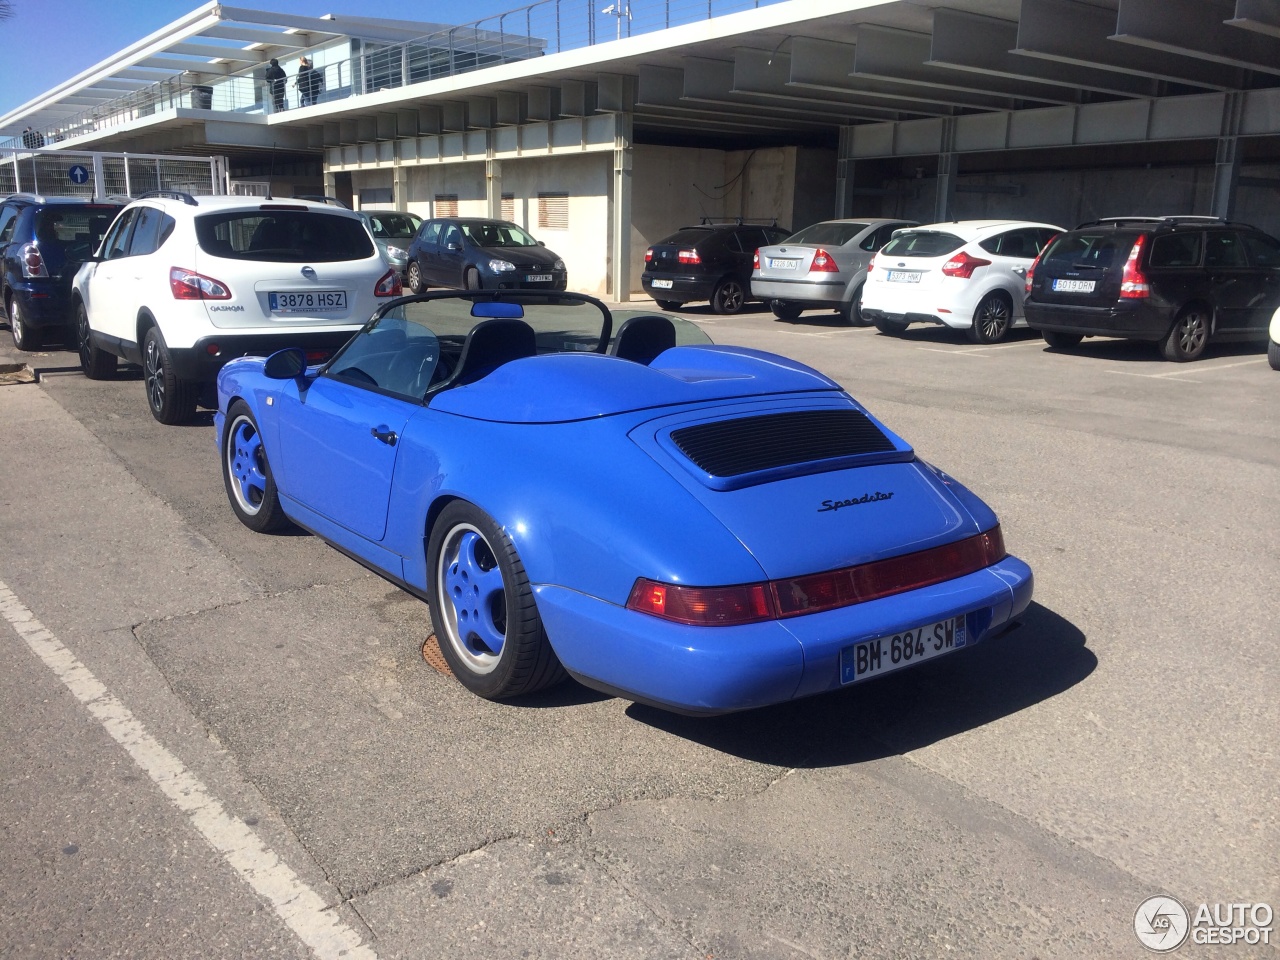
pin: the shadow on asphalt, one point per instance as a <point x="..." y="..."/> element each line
<point x="904" y="711"/>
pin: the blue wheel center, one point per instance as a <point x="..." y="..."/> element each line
<point x="245" y="461"/>
<point x="473" y="585"/>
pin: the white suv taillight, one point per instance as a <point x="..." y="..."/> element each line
<point x="189" y="285"/>
<point x="32" y="262"/>
<point x="388" y="285"/>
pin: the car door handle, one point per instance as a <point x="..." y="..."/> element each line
<point x="1020" y="271"/>
<point x="386" y="436"/>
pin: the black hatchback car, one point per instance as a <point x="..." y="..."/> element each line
<point x="707" y="262"/>
<point x="1176" y="281"/>
<point x="477" y="254"/>
<point x="43" y="241"/>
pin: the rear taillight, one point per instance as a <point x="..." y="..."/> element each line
<point x="189" y="285"/>
<point x="648" y="255"/>
<point x="688" y="256"/>
<point x="823" y="262"/>
<point x="32" y="262"/>
<point x="1133" y="282"/>
<point x="755" y="261"/>
<point x="962" y="265"/>
<point x="388" y="285"/>
<point x="871" y="266"/>
<point x="779" y="599"/>
<point x="1031" y="273"/>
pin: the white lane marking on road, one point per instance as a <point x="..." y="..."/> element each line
<point x="300" y="907"/>
<point x="1154" y="376"/>
<point x="956" y="353"/>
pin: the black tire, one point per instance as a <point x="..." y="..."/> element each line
<point x="668" y="304"/>
<point x="414" y="278"/>
<point x="246" y="474"/>
<point x="480" y="599"/>
<point x="1057" y="340"/>
<point x="892" y="327"/>
<point x="96" y="364"/>
<point x="851" y="310"/>
<point x="171" y="400"/>
<point x="784" y="310"/>
<point x="25" y="336"/>
<point x="729" y="296"/>
<point x="992" y="319"/>
<point x="1188" y="336"/>
<point x="1273" y="354"/>
<point x="471" y="278"/>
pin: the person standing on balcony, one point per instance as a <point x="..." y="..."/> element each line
<point x="306" y="82"/>
<point x="275" y="80"/>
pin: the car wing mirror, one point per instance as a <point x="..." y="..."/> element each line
<point x="542" y="243"/>
<point x="455" y="247"/>
<point x="287" y="364"/>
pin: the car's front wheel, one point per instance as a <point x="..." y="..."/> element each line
<point x="851" y="309"/>
<point x="992" y="319"/>
<point x="482" y="607"/>
<point x="785" y="310"/>
<point x="416" y="283"/>
<point x="471" y="279"/>
<point x="95" y="363"/>
<point x="25" y="336"/>
<point x="246" y="473"/>
<point x="729" y="296"/>
<point x="1188" y="336"/>
<point x="1057" y="340"/>
<point x="171" y="399"/>
<point x="1273" y="354"/>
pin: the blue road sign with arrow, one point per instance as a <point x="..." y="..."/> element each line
<point x="78" y="174"/>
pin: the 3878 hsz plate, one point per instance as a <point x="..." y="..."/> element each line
<point x="873" y="658"/>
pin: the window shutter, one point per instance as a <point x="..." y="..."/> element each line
<point x="446" y="205"/>
<point x="508" y="210"/>
<point x="553" y="211"/>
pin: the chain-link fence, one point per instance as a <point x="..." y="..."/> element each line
<point x="78" y="173"/>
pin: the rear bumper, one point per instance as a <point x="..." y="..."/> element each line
<point x="198" y="363"/>
<point x="504" y="282"/>
<point x="1135" y="320"/>
<point x="682" y="289"/>
<point x="708" y="670"/>
<point x="44" y="303"/>
<point x="829" y="293"/>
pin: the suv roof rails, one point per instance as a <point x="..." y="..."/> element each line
<point x="1170" y="219"/>
<point x="736" y="221"/>
<point x="320" y="198"/>
<point x="186" y="198"/>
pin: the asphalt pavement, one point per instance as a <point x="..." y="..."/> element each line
<point x="222" y="744"/>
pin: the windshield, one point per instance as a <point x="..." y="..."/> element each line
<point x="828" y="234"/>
<point x="394" y="226"/>
<point x="921" y="243"/>
<point x="1104" y="249"/>
<point x="496" y="233"/>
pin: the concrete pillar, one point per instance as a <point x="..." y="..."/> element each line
<point x="948" y="168"/>
<point x="620" y="211"/>
<point x="844" y="175"/>
<point x="400" y="188"/>
<point x="493" y="188"/>
<point x="1226" y="170"/>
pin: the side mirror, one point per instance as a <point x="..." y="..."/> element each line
<point x="454" y="247"/>
<point x="542" y="243"/>
<point x="287" y="364"/>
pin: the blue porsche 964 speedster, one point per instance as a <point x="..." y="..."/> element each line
<point x="703" y="528"/>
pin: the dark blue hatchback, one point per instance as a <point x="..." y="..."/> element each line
<point x="43" y="241"/>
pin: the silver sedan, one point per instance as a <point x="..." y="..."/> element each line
<point x="822" y="266"/>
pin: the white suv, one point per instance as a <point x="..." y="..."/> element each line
<point x="967" y="274"/>
<point x="183" y="284"/>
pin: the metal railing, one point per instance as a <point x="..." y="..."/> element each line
<point x="90" y="174"/>
<point x="355" y="66"/>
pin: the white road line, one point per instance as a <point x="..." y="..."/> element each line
<point x="955" y="353"/>
<point x="1155" y="376"/>
<point x="300" y="907"/>
<point x="1228" y="366"/>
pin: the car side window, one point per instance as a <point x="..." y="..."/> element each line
<point x="430" y="233"/>
<point x="1044" y="237"/>
<point x="1223" y="249"/>
<point x="150" y="232"/>
<point x="117" y="242"/>
<point x="1263" y="250"/>
<point x="8" y="218"/>
<point x="1020" y="244"/>
<point x="880" y="237"/>
<point x="451" y="235"/>
<point x="1176" y="250"/>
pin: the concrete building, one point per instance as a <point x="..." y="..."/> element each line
<point x="603" y="128"/>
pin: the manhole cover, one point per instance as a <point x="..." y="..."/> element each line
<point x="435" y="659"/>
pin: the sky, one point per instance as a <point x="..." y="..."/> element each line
<point x="48" y="41"/>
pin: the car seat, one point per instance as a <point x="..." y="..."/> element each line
<point x="641" y="339"/>
<point x="489" y="345"/>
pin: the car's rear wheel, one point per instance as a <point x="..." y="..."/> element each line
<point x="894" y="327"/>
<point x="992" y="319"/>
<point x="1188" y="336"/>
<point x="246" y="473"/>
<point x="1057" y="340"/>
<point x="25" y="336"/>
<point x="784" y="310"/>
<point x="729" y="296"/>
<point x="471" y="279"/>
<point x="668" y="304"/>
<point x="483" y="610"/>
<point x="172" y="400"/>
<point x="95" y="363"/>
<point x="1273" y="354"/>
<point x="416" y="283"/>
<point x="851" y="309"/>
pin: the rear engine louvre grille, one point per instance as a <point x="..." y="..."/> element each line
<point x="731" y="448"/>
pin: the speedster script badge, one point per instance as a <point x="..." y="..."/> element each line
<point x="865" y="498"/>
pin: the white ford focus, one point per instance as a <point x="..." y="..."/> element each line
<point x="182" y="285"/>
<point x="967" y="274"/>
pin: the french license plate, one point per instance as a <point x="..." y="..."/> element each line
<point x="784" y="264"/>
<point x="1073" y="286"/>
<point x="538" y="278"/>
<point x="660" y="284"/>
<point x="904" y="276"/>
<point x="872" y="658"/>
<point x="310" y="301"/>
